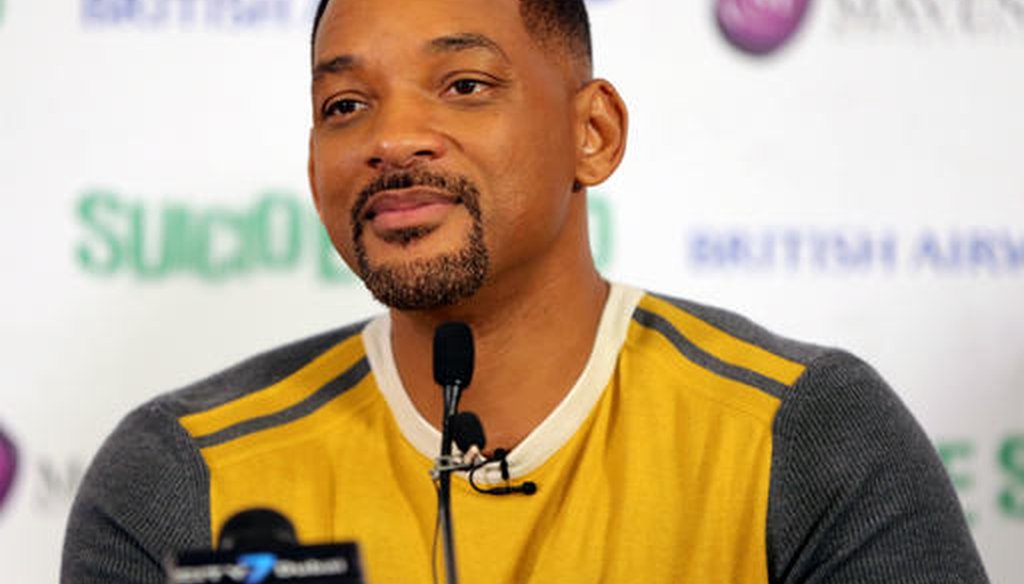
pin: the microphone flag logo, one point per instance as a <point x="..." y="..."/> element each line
<point x="260" y="566"/>
<point x="8" y="466"/>
<point x="759" y="26"/>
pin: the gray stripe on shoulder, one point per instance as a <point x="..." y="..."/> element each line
<point x="148" y="470"/>
<point x="328" y="392"/>
<point x="746" y="330"/>
<point x="704" y="359"/>
<point x="255" y="373"/>
<point x="857" y="492"/>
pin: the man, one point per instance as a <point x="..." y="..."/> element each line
<point x="452" y="145"/>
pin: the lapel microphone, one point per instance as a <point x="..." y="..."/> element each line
<point x="468" y="433"/>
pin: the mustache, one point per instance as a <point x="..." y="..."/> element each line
<point x="461" y="189"/>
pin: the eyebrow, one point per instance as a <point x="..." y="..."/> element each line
<point x="335" y="66"/>
<point x="453" y="43"/>
<point x="465" y="41"/>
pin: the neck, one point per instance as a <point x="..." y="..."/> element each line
<point x="533" y="334"/>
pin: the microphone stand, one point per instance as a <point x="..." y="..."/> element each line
<point x="453" y="370"/>
<point x="444" y="491"/>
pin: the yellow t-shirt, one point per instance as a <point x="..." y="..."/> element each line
<point x="654" y="468"/>
<point x="694" y="447"/>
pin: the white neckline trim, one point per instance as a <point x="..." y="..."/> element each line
<point x="555" y="430"/>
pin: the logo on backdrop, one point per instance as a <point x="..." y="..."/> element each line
<point x="199" y="14"/>
<point x="275" y="232"/>
<point x="961" y="456"/>
<point x="8" y="464"/>
<point x="823" y="251"/>
<point x="965" y="19"/>
<point x="49" y="482"/>
<point x="759" y="27"/>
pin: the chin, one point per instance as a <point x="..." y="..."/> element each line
<point x="429" y="280"/>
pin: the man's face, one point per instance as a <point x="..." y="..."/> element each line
<point x="442" y="153"/>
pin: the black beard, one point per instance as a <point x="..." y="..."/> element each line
<point x="427" y="283"/>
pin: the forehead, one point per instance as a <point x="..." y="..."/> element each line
<point x="368" y="27"/>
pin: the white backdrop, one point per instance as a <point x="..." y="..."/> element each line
<point x="861" y="186"/>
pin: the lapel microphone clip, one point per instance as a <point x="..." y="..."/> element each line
<point x="468" y="433"/>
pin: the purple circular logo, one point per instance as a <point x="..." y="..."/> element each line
<point x="8" y="466"/>
<point x="759" y="26"/>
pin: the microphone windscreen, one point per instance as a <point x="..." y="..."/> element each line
<point x="467" y="431"/>
<point x="256" y="530"/>
<point x="453" y="354"/>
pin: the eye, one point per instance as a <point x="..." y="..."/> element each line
<point x="468" y="86"/>
<point x="343" y="107"/>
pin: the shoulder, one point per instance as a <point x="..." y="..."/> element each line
<point x="725" y="345"/>
<point x="272" y="389"/>
<point x="143" y="496"/>
<point x="256" y="373"/>
<point x="811" y="382"/>
<point x="731" y="324"/>
<point x="856" y="490"/>
<point x="146" y="492"/>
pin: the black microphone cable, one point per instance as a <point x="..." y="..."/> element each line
<point x="437" y="533"/>
<point x="468" y="433"/>
<point x="526" y="488"/>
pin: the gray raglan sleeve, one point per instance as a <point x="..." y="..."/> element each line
<point x="145" y="495"/>
<point x="858" y="493"/>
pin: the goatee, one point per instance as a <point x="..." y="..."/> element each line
<point x="426" y="283"/>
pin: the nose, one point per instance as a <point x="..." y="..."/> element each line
<point x="403" y="136"/>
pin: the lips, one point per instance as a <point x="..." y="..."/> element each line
<point x="407" y="209"/>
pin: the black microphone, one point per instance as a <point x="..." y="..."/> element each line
<point x="453" y="370"/>
<point x="453" y="354"/>
<point x="259" y="546"/>
<point x="467" y="431"/>
<point x="256" y="529"/>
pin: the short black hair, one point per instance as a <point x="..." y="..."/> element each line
<point x="549" y="22"/>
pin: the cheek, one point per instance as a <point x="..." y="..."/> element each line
<point x="335" y="221"/>
<point x="530" y="148"/>
<point x="334" y="207"/>
<point x="531" y="191"/>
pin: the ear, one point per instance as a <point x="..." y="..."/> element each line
<point x="601" y="126"/>
<point x="311" y="174"/>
